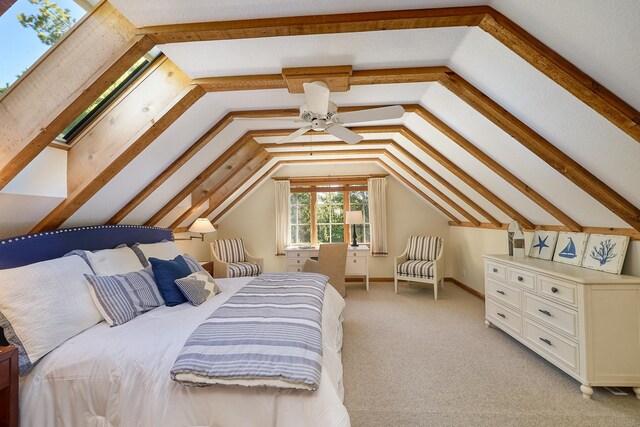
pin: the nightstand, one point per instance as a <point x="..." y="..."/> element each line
<point x="207" y="265"/>
<point x="8" y="387"/>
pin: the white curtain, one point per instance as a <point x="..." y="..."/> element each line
<point x="378" y="215"/>
<point x="282" y="215"/>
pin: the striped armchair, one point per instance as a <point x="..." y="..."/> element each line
<point x="231" y="259"/>
<point x="421" y="262"/>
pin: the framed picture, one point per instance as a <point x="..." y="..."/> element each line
<point x="605" y="253"/>
<point x="543" y="244"/>
<point x="570" y="248"/>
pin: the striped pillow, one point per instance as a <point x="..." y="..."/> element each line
<point x="194" y="288"/>
<point x="423" y="248"/>
<point x="230" y="250"/>
<point x="194" y="265"/>
<point x="121" y="297"/>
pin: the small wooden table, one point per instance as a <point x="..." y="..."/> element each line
<point x="8" y="387"/>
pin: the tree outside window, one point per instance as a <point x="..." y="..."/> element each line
<point x="330" y="217"/>
<point x="300" y="218"/>
<point x="318" y="217"/>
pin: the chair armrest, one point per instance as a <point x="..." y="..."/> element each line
<point x="400" y="259"/>
<point x="220" y="269"/>
<point x="254" y="260"/>
<point x="439" y="264"/>
<point x="311" y="266"/>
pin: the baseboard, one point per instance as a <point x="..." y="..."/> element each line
<point x="465" y="287"/>
<point x="371" y="279"/>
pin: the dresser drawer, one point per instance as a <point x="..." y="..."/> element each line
<point x="503" y="317"/>
<point x="294" y="269"/>
<point x="496" y="270"/>
<point x="524" y="278"/>
<point x="356" y="254"/>
<point x="296" y="262"/>
<point x="356" y="266"/>
<point x="561" y="349"/>
<point x="504" y="293"/>
<point x="558" y="290"/>
<point x="561" y="318"/>
<point x="302" y="254"/>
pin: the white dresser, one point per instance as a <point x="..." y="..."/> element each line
<point x="585" y="322"/>
<point x="357" y="260"/>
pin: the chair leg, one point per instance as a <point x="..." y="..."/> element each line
<point x="395" y="283"/>
<point x="435" y="290"/>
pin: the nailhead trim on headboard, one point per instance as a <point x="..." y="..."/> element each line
<point x="66" y="230"/>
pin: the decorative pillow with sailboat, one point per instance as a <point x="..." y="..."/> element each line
<point x="570" y="248"/>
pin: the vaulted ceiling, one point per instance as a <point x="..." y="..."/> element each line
<point x="504" y="118"/>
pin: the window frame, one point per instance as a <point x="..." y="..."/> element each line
<point x="328" y="187"/>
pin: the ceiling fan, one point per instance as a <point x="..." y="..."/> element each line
<point x="321" y="114"/>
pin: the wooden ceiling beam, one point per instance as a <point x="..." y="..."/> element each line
<point x="515" y="38"/>
<point x="633" y="234"/>
<point x="234" y="164"/>
<point x="48" y="97"/>
<point x="564" y="73"/>
<point x="5" y="5"/>
<point x="199" y="179"/>
<point x="493" y="165"/>
<point x="121" y="132"/>
<point x="546" y="151"/>
<point x="432" y="188"/>
<point x="422" y="194"/>
<point x="446" y="184"/>
<point x="171" y="169"/>
<point x="317" y="24"/>
<point x="357" y="77"/>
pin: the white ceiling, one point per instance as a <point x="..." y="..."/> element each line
<point x="600" y="37"/>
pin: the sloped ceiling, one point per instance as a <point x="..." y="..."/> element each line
<point x="596" y="36"/>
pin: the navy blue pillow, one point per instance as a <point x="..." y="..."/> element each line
<point x="166" y="272"/>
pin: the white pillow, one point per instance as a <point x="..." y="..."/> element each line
<point x="108" y="262"/>
<point x="161" y="250"/>
<point x="44" y="304"/>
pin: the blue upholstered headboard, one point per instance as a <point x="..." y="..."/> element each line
<point x="30" y="248"/>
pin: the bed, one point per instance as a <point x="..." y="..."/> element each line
<point x="119" y="376"/>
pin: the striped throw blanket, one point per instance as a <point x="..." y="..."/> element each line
<point x="268" y="334"/>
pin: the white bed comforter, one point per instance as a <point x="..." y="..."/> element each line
<point x="120" y="377"/>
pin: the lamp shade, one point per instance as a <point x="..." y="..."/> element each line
<point x="354" y="217"/>
<point x="202" y="225"/>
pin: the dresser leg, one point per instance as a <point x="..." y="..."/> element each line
<point x="636" y="390"/>
<point x="586" y="391"/>
<point x="487" y="323"/>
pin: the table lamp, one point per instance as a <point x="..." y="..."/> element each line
<point x="202" y="226"/>
<point x="353" y="218"/>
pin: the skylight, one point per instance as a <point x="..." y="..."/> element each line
<point x="28" y="29"/>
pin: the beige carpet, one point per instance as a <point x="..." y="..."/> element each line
<point x="412" y="361"/>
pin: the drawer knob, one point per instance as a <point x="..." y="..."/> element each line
<point x="298" y="261"/>
<point x="554" y="290"/>
<point x="495" y="270"/>
<point x="354" y="254"/>
<point x="298" y="254"/>
<point x="520" y="278"/>
<point x="546" y="341"/>
<point x="298" y="270"/>
<point x="355" y="260"/>
<point x="544" y="312"/>
<point x="501" y="315"/>
<point x="501" y="292"/>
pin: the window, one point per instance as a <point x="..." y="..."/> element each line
<point x="317" y="214"/>
<point x="28" y="29"/>
<point x="108" y="96"/>
<point x="300" y="218"/>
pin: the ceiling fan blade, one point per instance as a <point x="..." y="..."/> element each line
<point x="295" y="134"/>
<point x="343" y="133"/>
<point x="317" y="94"/>
<point x="372" y="114"/>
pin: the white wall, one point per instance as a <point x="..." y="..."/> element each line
<point x="407" y="213"/>
<point x="469" y="244"/>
